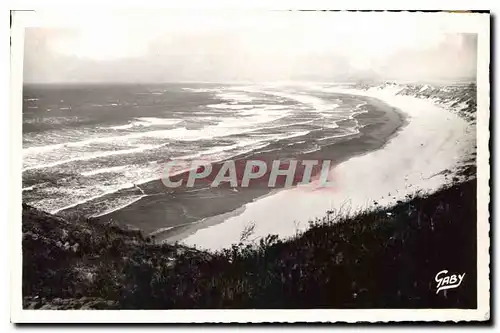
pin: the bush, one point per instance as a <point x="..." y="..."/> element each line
<point x="383" y="258"/>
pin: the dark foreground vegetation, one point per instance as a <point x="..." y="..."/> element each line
<point x="386" y="258"/>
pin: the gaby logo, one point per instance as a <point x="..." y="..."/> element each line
<point x="448" y="281"/>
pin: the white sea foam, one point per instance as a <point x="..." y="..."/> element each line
<point x="127" y="176"/>
<point x="92" y="155"/>
<point x="202" y="89"/>
<point x="311" y="150"/>
<point x="295" y="143"/>
<point x="114" y="169"/>
<point x="253" y="143"/>
<point x="65" y="198"/>
<point x="230" y="127"/>
<point x="225" y="106"/>
<point x="40" y="149"/>
<point x="127" y="201"/>
<point x="87" y="199"/>
<point x="147" y="122"/>
<point x="121" y="127"/>
<point x="321" y="106"/>
<point x="239" y="97"/>
<point x="179" y="133"/>
<point x="251" y="118"/>
<point x="352" y="131"/>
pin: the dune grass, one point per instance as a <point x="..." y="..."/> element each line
<point x="382" y="258"/>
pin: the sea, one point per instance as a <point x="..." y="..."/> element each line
<point x="83" y="142"/>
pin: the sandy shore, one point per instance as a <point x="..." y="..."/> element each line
<point x="172" y="215"/>
<point x="413" y="160"/>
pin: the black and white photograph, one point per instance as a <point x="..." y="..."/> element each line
<point x="266" y="159"/>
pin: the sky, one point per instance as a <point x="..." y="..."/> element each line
<point x="145" y="46"/>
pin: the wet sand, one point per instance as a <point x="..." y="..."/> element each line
<point x="172" y="214"/>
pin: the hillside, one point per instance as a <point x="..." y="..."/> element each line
<point x="384" y="258"/>
<point x="457" y="98"/>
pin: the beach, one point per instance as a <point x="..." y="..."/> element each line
<point x="178" y="215"/>
<point x="93" y="151"/>
<point x="381" y="147"/>
<point x="434" y="140"/>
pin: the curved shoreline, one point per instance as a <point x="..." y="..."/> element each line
<point x="176" y="211"/>
<point x="411" y="161"/>
<point x="371" y="137"/>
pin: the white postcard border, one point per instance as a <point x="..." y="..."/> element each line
<point x="473" y="23"/>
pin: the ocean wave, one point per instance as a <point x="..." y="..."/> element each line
<point x="51" y="120"/>
<point x="28" y="188"/>
<point x="254" y="126"/>
<point x="317" y="104"/>
<point x="87" y="199"/>
<point x="177" y="133"/>
<point x="351" y="132"/>
<point x="35" y="157"/>
<point x="147" y="122"/>
<point x="119" y="203"/>
<point x="229" y="106"/>
<point x="225" y="106"/>
<point x="57" y="199"/>
<point x="114" y="169"/>
<point x="254" y="143"/>
<point x="238" y="97"/>
<point x="131" y="175"/>
<point x="226" y="127"/>
<point x="203" y="89"/>
<point x="295" y="143"/>
<point x="311" y="150"/>
<point x="92" y="156"/>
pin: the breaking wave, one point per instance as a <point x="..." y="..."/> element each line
<point x="73" y="165"/>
